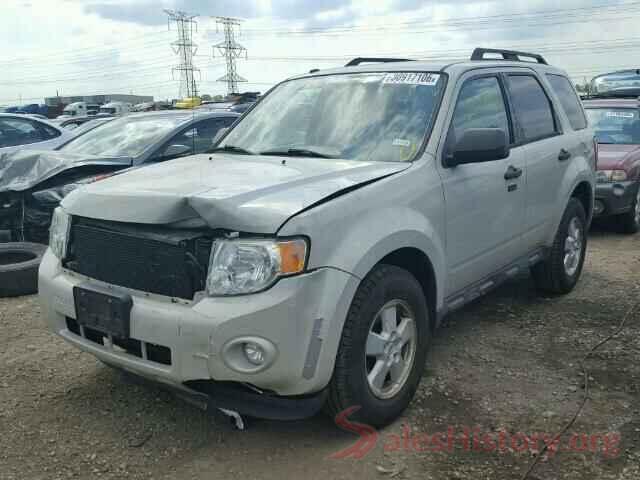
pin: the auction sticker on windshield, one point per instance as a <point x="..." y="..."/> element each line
<point x="411" y="78"/>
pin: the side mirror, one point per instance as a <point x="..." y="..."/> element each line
<point x="479" y="145"/>
<point x="173" y="151"/>
<point x="219" y="135"/>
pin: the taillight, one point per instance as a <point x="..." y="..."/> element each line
<point x="595" y="151"/>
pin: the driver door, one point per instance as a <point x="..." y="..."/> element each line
<point x="484" y="210"/>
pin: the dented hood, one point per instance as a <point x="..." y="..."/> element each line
<point x="24" y="169"/>
<point x="238" y="192"/>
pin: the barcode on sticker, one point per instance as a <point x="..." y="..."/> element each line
<point x="411" y="78"/>
<point x="621" y="114"/>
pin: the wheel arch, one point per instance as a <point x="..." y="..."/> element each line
<point x="416" y="262"/>
<point x="584" y="193"/>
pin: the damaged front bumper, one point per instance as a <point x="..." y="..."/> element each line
<point x="191" y="344"/>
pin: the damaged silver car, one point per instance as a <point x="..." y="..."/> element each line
<point x="307" y="259"/>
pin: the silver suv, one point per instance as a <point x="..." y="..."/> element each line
<point x="307" y="260"/>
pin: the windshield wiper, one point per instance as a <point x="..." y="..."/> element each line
<point x="232" y="149"/>
<point x="297" y="152"/>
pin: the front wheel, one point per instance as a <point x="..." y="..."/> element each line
<point x="383" y="348"/>
<point x="560" y="271"/>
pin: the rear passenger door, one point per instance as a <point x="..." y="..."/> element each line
<point x="547" y="150"/>
<point x="484" y="210"/>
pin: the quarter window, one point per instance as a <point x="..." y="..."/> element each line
<point x="532" y="107"/>
<point x="480" y="105"/>
<point x="569" y="100"/>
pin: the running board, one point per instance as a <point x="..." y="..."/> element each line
<point x="478" y="289"/>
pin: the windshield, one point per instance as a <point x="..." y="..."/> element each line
<point x="107" y="110"/>
<point x="615" y="125"/>
<point x="369" y="117"/>
<point x="125" y="137"/>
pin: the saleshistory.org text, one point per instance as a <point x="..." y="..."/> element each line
<point x="471" y="439"/>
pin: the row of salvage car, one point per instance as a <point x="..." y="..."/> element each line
<point x="41" y="162"/>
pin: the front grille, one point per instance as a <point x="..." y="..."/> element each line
<point x="147" y="351"/>
<point x="151" y="259"/>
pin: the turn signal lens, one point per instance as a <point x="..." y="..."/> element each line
<point x="292" y="256"/>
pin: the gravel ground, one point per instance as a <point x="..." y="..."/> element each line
<point x="508" y="363"/>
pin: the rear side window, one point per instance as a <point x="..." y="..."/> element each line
<point x="480" y="105"/>
<point x="49" y="132"/>
<point x="569" y="100"/>
<point x="532" y="107"/>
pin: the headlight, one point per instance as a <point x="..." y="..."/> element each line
<point x="608" y="176"/>
<point x="240" y="266"/>
<point x="59" y="232"/>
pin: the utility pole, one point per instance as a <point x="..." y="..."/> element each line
<point x="231" y="50"/>
<point x="185" y="49"/>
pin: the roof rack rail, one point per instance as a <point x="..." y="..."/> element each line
<point x="359" y="60"/>
<point x="510" y="55"/>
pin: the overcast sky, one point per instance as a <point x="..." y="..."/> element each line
<point x="78" y="47"/>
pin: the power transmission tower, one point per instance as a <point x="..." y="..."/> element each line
<point x="185" y="49"/>
<point x="231" y="50"/>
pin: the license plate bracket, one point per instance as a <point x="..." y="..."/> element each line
<point x="103" y="310"/>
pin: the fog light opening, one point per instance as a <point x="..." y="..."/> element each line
<point x="254" y="353"/>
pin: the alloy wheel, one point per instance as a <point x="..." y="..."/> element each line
<point x="391" y="349"/>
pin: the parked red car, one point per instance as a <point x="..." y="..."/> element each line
<point x="616" y="120"/>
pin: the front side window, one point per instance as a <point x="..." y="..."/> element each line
<point x="532" y="107"/>
<point x="125" y="137"/>
<point x="615" y="125"/>
<point x="569" y="100"/>
<point x="365" y="116"/>
<point x="480" y="105"/>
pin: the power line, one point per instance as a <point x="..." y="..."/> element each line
<point x="230" y="50"/>
<point x="495" y="21"/>
<point x="64" y="53"/>
<point x="185" y="49"/>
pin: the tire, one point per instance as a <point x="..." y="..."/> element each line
<point x="395" y="289"/>
<point x="552" y="275"/>
<point x="19" y="262"/>
<point x="630" y="222"/>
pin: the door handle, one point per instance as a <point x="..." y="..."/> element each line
<point x="512" y="173"/>
<point x="564" y="155"/>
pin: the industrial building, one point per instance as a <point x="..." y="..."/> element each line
<point x="98" y="99"/>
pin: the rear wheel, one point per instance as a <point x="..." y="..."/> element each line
<point x="560" y="272"/>
<point x="630" y="222"/>
<point x="383" y="348"/>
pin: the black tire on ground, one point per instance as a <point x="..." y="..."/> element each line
<point x="19" y="262"/>
<point x="349" y="386"/>
<point x="630" y="222"/>
<point x="550" y="275"/>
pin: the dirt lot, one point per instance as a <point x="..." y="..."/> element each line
<point x="508" y="363"/>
